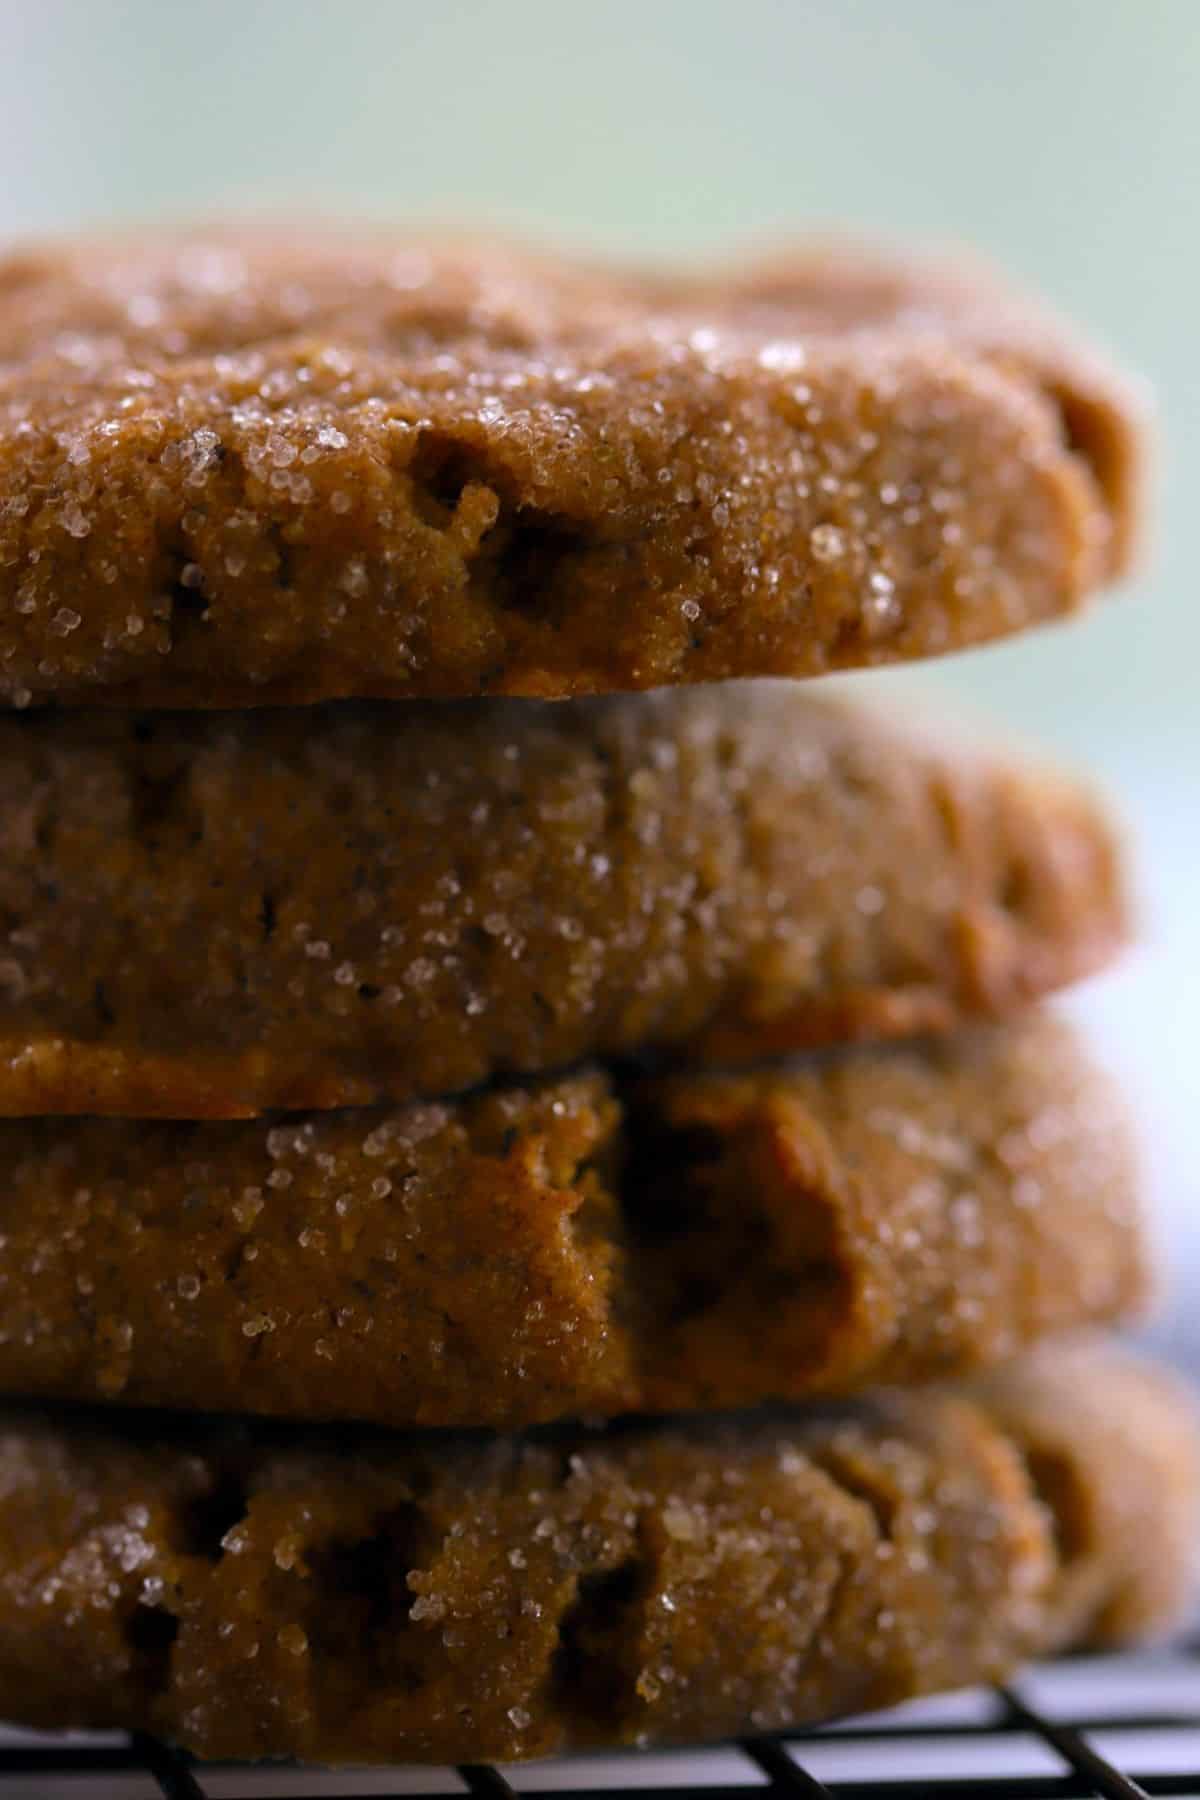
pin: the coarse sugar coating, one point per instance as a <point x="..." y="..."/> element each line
<point x="252" y="1593"/>
<point x="212" y="915"/>
<point x="584" y="1246"/>
<point x="252" y="466"/>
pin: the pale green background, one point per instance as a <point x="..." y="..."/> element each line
<point x="1061" y="135"/>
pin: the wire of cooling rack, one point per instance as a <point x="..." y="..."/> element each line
<point x="1118" y="1727"/>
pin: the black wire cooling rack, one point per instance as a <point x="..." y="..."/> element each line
<point x="1113" y="1726"/>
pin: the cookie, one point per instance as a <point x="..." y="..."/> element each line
<point x="254" y="1594"/>
<point x="246" y="467"/>
<point x="577" y="1247"/>
<point x="210" y="916"/>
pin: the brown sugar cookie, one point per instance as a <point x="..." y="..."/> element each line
<point x="253" y="1593"/>
<point x="250" y="467"/>
<point x="214" y="915"/>
<point x="578" y="1247"/>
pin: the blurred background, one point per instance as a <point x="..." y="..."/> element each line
<point x="1061" y="136"/>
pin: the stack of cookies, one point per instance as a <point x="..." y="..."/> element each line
<point x="547" y="1224"/>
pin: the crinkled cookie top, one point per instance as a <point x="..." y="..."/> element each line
<point x="247" y="467"/>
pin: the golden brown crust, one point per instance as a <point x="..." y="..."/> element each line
<point x="578" y="1247"/>
<point x="449" y="1600"/>
<point x="210" y="916"/>
<point x="241" y="468"/>
<point x="1103" y="414"/>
